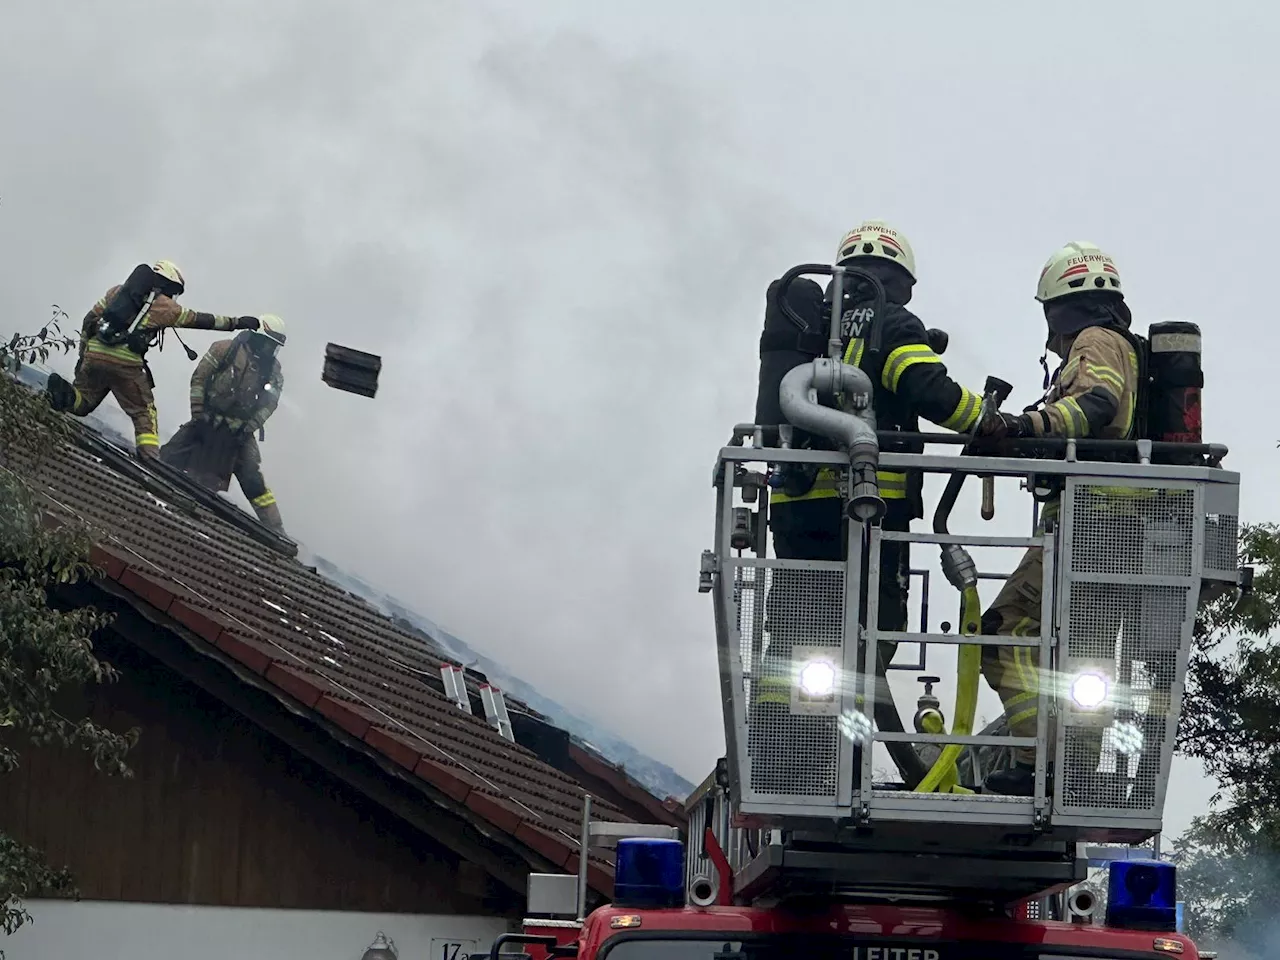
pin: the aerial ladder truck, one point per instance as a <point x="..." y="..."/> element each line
<point x="799" y="845"/>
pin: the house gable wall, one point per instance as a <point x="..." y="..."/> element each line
<point x="221" y="813"/>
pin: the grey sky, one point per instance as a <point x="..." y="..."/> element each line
<point x="555" y="221"/>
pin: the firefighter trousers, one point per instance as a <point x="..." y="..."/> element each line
<point x="211" y="455"/>
<point x="1013" y="672"/>
<point x="248" y="471"/>
<point x="130" y="384"/>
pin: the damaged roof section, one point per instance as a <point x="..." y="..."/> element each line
<point x="228" y="582"/>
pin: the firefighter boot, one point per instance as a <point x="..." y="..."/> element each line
<point x="62" y="395"/>
<point x="1016" y="781"/>
<point x="270" y="516"/>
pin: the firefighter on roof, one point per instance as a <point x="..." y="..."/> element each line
<point x="114" y="340"/>
<point x="1093" y="393"/>
<point x="234" y="390"/>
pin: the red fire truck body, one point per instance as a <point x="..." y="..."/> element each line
<point x="850" y="932"/>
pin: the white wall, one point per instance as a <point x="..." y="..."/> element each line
<point x="97" y="930"/>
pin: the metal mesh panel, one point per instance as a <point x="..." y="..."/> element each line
<point x="1221" y="543"/>
<point x="1134" y="631"/>
<point x="1134" y="531"/>
<point x="781" y="609"/>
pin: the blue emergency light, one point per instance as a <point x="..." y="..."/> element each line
<point x="1142" y="895"/>
<point x="649" y="873"/>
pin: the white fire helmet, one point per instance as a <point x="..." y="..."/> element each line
<point x="271" y="327"/>
<point x="875" y="238"/>
<point x="169" y="270"/>
<point x="1078" y="267"/>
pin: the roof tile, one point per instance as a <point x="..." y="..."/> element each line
<point x="111" y="563"/>
<point x="450" y="778"/>
<point x="394" y="747"/>
<point x="253" y="655"/>
<point x="348" y="716"/>
<point x="555" y="847"/>
<point x="157" y="592"/>
<point x="502" y="814"/>
<point x="306" y="689"/>
<point x="205" y="624"/>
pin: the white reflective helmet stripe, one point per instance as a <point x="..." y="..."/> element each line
<point x="875" y="238"/>
<point x="1078" y="267"/>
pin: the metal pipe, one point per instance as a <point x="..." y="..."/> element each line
<point x="988" y="497"/>
<point x="854" y="431"/>
<point x="1137" y="448"/>
<point x="837" y="312"/>
<point x="722" y="811"/>
<point x="584" y="856"/>
<point x="923" y="663"/>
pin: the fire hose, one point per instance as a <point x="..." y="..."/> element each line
<point x="962" y="573"/>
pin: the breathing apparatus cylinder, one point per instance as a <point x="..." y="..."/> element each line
<point x="1175" y="381"/>
<point x="783" y="346"/>
<point x="130" y="303"/>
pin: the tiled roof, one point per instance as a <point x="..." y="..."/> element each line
<point x="596" y="766"/>
<point x="326" y="649"/>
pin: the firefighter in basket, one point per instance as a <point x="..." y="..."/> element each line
<point x="806" y="511"/>
<point x="1094" y="393"/>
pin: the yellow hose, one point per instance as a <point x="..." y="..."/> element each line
<point x="943" y="776"/>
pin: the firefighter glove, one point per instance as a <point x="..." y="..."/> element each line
<point x="1000" y="425"/>
<point x="992" y="423"/>
<point x="246" y="323"/>
<point x="1015" y="427"/>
